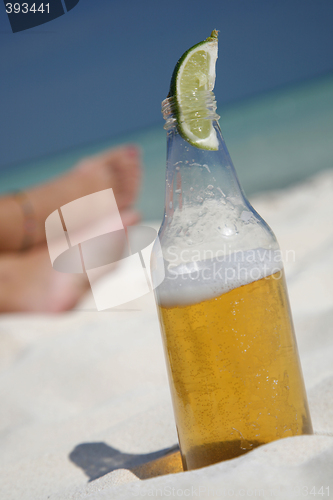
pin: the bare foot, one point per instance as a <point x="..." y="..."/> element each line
<point x="28" y="283"/>
<point x="118" y="168"/>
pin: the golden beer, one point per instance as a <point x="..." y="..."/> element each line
<point x="234" y="372"/>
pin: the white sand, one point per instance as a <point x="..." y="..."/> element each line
<point x="93" y="386"/>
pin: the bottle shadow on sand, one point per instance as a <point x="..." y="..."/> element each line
<point x="98" y="459"/>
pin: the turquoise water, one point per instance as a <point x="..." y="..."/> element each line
<point x="274" y="141"/>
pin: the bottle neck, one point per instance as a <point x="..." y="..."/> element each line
<point x="196" y="177"/>
<point x="205" y="206"/>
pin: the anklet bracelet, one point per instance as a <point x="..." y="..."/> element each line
<point x="29" y="222"/>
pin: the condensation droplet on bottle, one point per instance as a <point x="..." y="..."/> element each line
<point x="191" y="189"/>
<point x="244" y="443"/>
<point x="206" y="167"/>
<point x="170" y="204"/>
<point x="210" y="187"/>
<point x="229" y="230"/>
<point x="178" y="191"/>
<point x="200" y="199"/>
<point x="222" y="193"/>
<point x="246" y="216"/>
<point x="177" y="168"/>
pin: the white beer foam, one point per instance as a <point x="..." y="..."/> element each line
<point x="213" y="228"/>
<point x="193" y="282"/>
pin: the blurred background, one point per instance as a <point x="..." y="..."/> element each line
<point x="96" y="76"/>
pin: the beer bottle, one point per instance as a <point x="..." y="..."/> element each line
<point x="233" y="366"/>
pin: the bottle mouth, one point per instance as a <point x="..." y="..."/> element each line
<point x="200" y="104"/>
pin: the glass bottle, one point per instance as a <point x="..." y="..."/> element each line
<point x="233" y="366"/>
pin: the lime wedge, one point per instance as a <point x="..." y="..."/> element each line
<point x="195" y="72"/>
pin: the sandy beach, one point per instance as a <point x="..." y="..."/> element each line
<point x="85" y="397"/>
